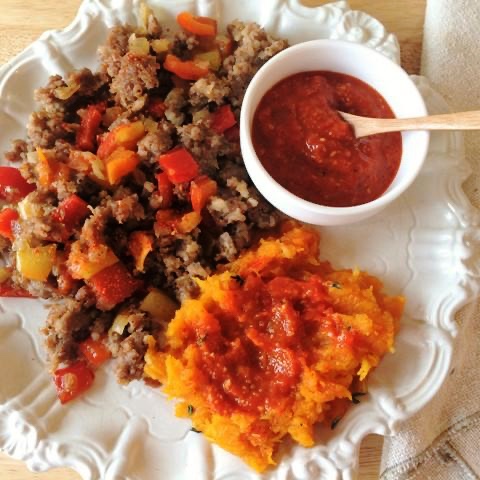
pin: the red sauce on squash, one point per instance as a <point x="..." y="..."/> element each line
<point x="311" y="151"/>
<point x="255" y="361"/>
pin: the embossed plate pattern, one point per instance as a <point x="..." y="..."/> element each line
<point x="421" y="246"/>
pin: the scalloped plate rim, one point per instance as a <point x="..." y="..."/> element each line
<point x="28" y="55"/>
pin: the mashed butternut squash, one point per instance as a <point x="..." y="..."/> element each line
<point x="273" y="345"/>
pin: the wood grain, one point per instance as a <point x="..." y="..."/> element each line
<point x="22" y="21"/>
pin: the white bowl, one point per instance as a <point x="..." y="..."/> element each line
<point x="385" y="76"/>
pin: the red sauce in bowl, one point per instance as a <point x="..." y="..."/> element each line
<point x="311" y="151"/>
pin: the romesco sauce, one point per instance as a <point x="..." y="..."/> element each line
<point x="310" y="150"/>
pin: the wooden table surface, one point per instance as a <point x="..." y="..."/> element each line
<point x="22" y="21"/>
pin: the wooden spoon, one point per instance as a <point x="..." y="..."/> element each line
<point x="364" y="126"/>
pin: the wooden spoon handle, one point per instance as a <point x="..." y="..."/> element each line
<point x="447" y="121"/>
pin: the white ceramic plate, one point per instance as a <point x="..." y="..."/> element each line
<point x="420" y="246"/>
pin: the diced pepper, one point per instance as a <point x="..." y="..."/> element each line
<point x="188" y="70"/>
<point x="232" y="134"/>
<point x="126" y="135"/>
<point x="212" y="58"/>
<point x="140" y="244"/>
<point x="45" y="168"/>
<point x="160" y="45"/>
<point x="7" y="216"/>
<point x="129" y="134"/>
<point x="73" y="380"/>
<point x="13" y="187"/>
<point x="159" y="305"/>
<point x="165" y="188"/>
<point x="154" y="361"/>
<point x="119" y="323"/>
<point x="112" y="285"/>
<point x="223" y="119"/>
<point x="188" y="222"/>
<point x="179" y="165"/>
<point x="156" y="107"/>
<point x="89" y="124"/>
<point x="201" y="189"/>
<point x="35" y="263"/>
<point x="201" y="26"/>
<point x="94" y="351"/>
<point x="138" y="45"/>
<point x="64" y="93"/>
<point x="144" y="13"/>
<point x="71" y="211"/>
<point x="120" y="163"/>
<point x="81" y="267"/>
<point x="169" y="222"/>
<point x="9" y="290"/>
<point x="49" y="169"/>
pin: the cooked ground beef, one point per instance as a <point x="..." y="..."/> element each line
<point x="134" y="88"/>
<point x="136" y="75"/>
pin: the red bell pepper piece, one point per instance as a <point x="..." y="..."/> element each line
<point x="94" y="351"/>
<point x="232" y="134"/>
<point x="223" y="119"/>
<point x="112" y="285"/>
<point x="9" y="290"/>
<point x="201" y="26"/>
<point x="201" y="189"/>
<point x="188" y="70"/>
<point x="179" y="165"/>
<point x="7" y="216"/>
<point x="71" y="211"/>
<point x="73" y="380"/>
<point x="13" y="187"/>
<point x="89" y="124"/>
<point x="165" y="188"/>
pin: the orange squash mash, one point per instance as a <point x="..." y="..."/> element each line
<point x="274" y="344"/>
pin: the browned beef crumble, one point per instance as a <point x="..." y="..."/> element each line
<point x="126" y="83"/>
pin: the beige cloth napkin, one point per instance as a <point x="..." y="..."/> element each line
<point x="443" y="440"/>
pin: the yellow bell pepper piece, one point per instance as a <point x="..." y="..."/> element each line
<point x="189" y="222"/>
<point x="35" y="263"/>
<point x="81" y="267"/>
<point x="138" y="45"/>
<point x="159" y="305"/>
<point x="120" y="163"/>
<point x="45" y="168"/>
<point x="154" y="361"/>
<point x="129" y="134"/>
<point x="212" y="58"/>
<point x="161" y="45"/>
<point x="119" y="323"/>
